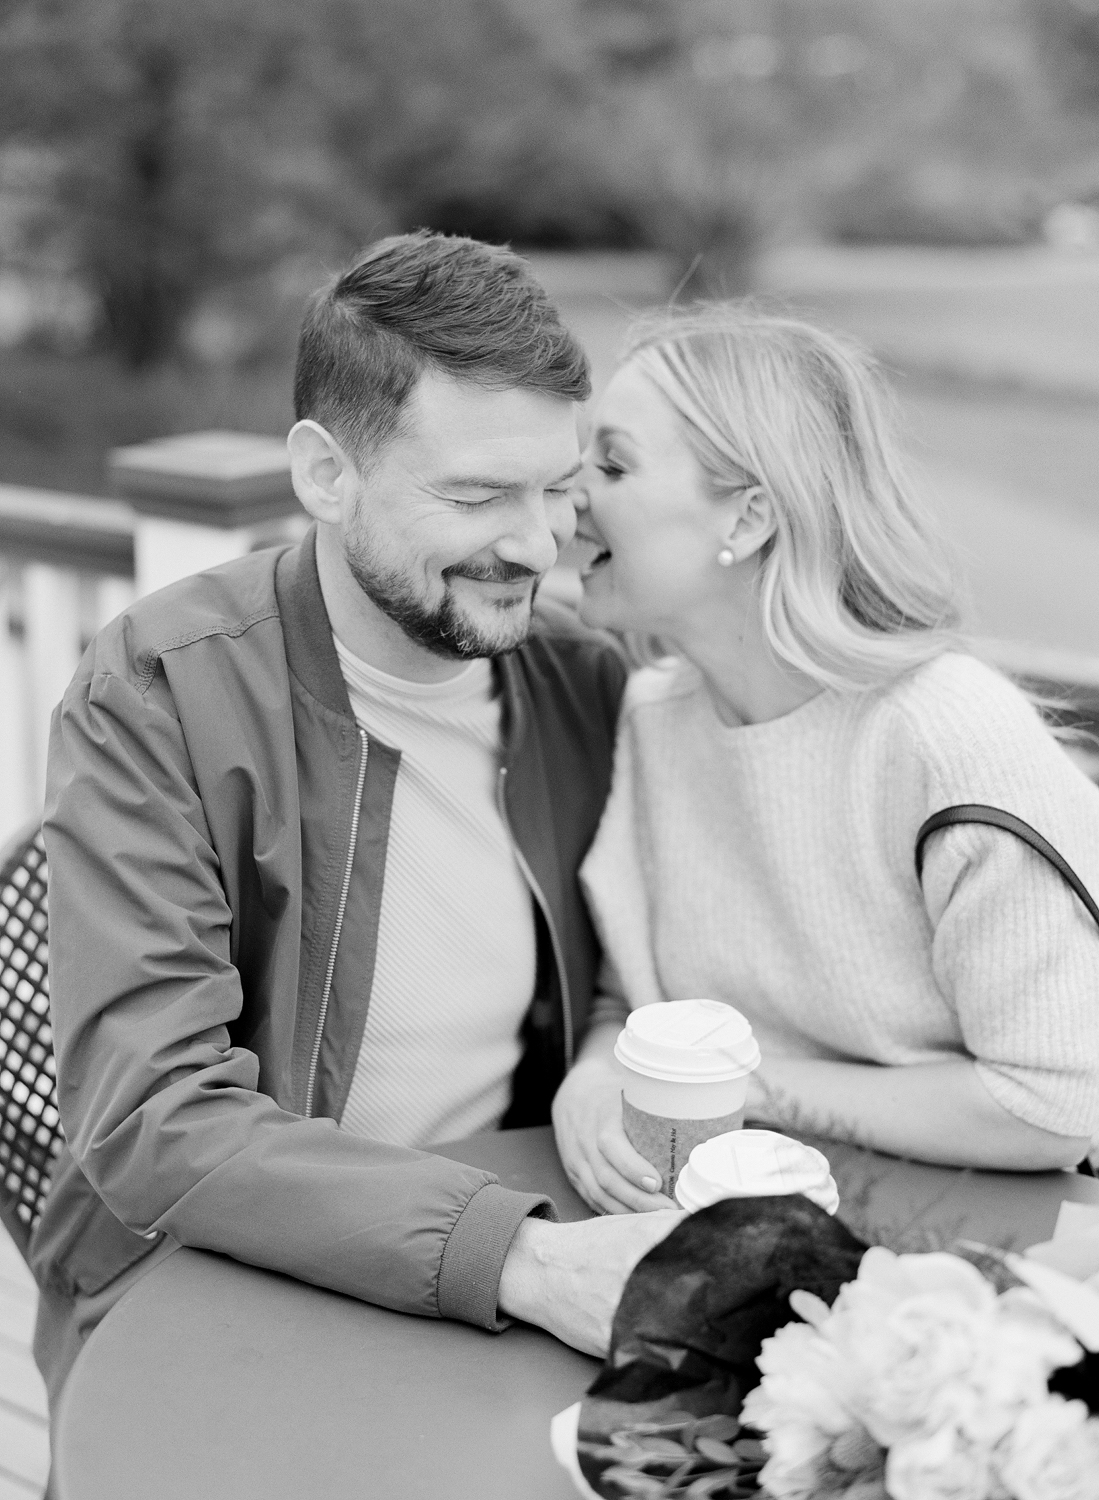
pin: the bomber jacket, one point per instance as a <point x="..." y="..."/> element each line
<point x="215" y="828"/>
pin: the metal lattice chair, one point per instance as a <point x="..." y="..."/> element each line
<point x="30" y="1127"/>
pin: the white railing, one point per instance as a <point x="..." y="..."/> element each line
<point x="70" y="563"/>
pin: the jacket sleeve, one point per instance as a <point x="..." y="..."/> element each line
<point x="163" y="1114"/>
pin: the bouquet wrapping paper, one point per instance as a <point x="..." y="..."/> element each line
<point x="762" y="1348"/>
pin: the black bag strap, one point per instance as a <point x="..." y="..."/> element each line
<point x="995" y="817"/>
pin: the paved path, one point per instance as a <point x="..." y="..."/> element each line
<point x="1033" y="574"/>
<point x="1025" y="316"/>
<point x="24" y="1434"/>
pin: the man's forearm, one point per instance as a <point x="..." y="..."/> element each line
<point x="935" y="1112"/>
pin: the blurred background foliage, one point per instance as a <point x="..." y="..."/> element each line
<point x="174" y="177"/>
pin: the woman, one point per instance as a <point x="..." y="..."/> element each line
<point x="758" y="846"/>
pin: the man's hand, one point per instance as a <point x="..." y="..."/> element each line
<point x="568" y="1278"/>
<point x="599" y="1161"/>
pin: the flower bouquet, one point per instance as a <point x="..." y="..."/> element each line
<point x="931" y="1377"/>
<point x="762" y="1349"/>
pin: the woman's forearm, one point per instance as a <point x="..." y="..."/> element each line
<point x="935" y="1112"/>
<point x="598" y="1044"/>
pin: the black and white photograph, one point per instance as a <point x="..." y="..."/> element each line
<point x="549" y="749"/>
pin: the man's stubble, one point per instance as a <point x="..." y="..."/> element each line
<point x="443" y="628"/>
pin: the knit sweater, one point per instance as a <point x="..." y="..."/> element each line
<point x="772" y="866"/>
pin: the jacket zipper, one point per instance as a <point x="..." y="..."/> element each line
<point x="341" y="908"/>
<point x="543" y="906"/>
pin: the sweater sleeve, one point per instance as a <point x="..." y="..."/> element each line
<point x="610" y="1006"/>
<point x="1013" y="948"/>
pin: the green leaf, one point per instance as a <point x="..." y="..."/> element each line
<point x="721" y="1427"/>
<point x="717" y="1452"/>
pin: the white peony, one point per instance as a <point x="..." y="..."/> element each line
<point x="1025" y="1345"/>
<point x="1052" y="1453"/>
<point x="803" y="1381"/>
<point x="885" y="1281"/>
<point x="797" y="1461"/>
<point x="914" y="1327"/>
<point x="920" y="1356"/>
<point x="941" y="1465"/>
<point x="799" y="1407"/>
<point x="923" y="1360"/>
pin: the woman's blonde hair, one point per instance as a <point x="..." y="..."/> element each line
<point x="854" y="586"/>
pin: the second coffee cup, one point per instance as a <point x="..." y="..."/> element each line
<point x="685" y="1068"/>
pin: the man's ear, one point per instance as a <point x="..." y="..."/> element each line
<point x="319" y="470"/>
<point x="749" y="522"/>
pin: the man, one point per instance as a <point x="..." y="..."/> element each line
<point x="313" y="825"/>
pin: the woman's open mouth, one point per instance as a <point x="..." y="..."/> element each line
<point x="601" y="558"/>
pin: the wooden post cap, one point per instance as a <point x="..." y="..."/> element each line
<point x="207" y="478"/>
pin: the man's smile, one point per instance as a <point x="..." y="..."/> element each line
<point x="495" y="572"/>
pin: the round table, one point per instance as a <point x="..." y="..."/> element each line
<point x="214" y="1379"/>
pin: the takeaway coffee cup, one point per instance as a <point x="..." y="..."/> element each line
<point x="753" y="1164"/>
<point x="685" y="1067"/>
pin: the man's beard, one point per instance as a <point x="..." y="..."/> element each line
<point x="443" y="629"/>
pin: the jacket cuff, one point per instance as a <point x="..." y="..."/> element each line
<point x="475" y="1251"/>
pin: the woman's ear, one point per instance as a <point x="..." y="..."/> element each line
<point x="319" y="470"/>
<point x="748" y="525"/>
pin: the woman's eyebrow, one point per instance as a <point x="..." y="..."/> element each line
<point x="613" y="432"/>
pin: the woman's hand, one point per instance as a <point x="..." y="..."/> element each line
<point x="602" y="1166"/>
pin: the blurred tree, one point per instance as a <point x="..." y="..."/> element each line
<point x="177" y="144"/>
<point x="192" y="148"/>
<point x="471" y="118"/>
<point x="956" y="135"/>
<point x="860" y="119"/>
<point x="1069" y="32"/>
<point x="183" y="151"/>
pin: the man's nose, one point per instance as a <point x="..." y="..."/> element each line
<point x="543" y="525"/>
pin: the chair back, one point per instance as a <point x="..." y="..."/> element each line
<point x="30" y="1126"/>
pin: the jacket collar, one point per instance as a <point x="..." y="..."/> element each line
<point x="510" y="684"/>
<point x="310" y="652"/>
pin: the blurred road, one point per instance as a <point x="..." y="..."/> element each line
<point x="1032" y="574"/>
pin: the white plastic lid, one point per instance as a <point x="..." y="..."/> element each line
<point x="688" y="1041"/>
<point x="753" y="1164"/>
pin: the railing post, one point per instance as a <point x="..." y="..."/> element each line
<point x="203" y="499"/>
<point x="17" y="780"/>
<point x="52" y="620"/>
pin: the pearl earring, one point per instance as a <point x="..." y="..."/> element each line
<point x="726" y="557"/>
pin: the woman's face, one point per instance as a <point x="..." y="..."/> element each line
<point x="644" y="501"/>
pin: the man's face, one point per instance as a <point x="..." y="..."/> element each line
<point x="452" y="528"/>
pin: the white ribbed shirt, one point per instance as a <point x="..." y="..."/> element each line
<point x="771" y="866"/>
<point x="455" y="968"/>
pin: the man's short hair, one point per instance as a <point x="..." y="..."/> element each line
<point x="424" y="301"/>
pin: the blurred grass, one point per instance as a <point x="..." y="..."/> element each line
<point x="1005" y="318"/>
